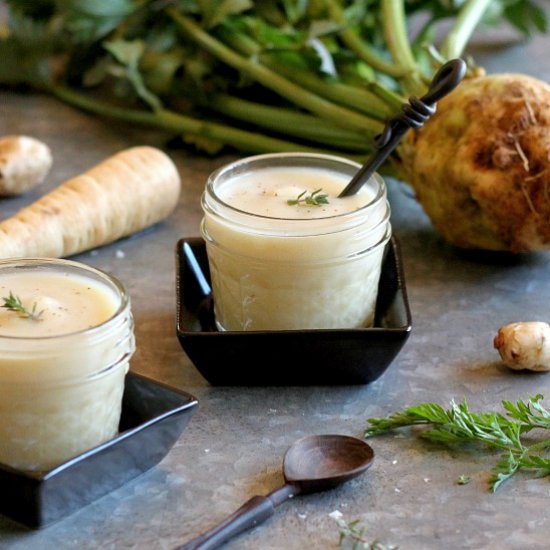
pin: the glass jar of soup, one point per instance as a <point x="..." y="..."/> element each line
<point x="66" y="338"/>
<point x="285" y="252"/>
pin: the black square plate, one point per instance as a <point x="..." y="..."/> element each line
<point x="153" y="417"/>
<point x="287" y="357"/>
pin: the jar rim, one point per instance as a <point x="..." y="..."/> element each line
<point x="293" y="156"/>
<point x="106" y="277"/>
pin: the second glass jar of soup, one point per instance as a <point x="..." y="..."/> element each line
<point x="284" y="252"/>
<point x="65" y="346"/>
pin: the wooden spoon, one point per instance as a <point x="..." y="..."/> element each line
<point x="312" y="464"/>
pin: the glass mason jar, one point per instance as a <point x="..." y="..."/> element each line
<point x="279" y="273"/>
<point x="61" y="394"/>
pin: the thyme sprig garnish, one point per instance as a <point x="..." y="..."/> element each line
<point x="14" y="303"/>
<point x="352" y="536"/>
<point x="458" y="424"/>
<point x="315" y="198"/>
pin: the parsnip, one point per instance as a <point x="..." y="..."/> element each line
<point x="124" y="194"/>
<point x="24" y="163"/>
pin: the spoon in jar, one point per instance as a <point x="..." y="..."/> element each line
<point x="312" y="464"/>
<point x="414" y="115"/>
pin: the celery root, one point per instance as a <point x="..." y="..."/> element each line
<point x="123" y="194"/>
<point x="480" y="166"/>
<point x="24" y="163"/>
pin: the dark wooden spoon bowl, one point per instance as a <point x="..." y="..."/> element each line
<point x="321" y="462"/>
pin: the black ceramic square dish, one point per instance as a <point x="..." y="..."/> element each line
<point x="153" y="417"/>
<point x="301" y="357"/>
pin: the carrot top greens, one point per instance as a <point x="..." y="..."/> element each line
<point x="460" y="425"/>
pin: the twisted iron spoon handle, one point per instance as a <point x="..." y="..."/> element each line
<point x="414" y="114"/>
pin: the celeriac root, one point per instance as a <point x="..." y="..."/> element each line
<point x="525" y="345"/>
<point x="120" y="196"/>
<point x="24" y="163"/>
<point x="480" y="167"/>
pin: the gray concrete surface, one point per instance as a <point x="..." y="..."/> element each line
<point x="234" y="445"/>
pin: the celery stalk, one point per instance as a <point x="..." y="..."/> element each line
<point x="363" y="50"/>
<point x="270" y="79"/>
<point x="181" y="125"/>
<point x="397" y="40"/>
<point x="282" y="120"/>
<point x="464" y="25"/>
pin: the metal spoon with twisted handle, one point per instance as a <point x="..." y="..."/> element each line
<point x="414" y="115"/>
<point x="311" y="464"/>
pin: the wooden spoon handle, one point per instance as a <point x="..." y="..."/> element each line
<point x="250" y="514"/>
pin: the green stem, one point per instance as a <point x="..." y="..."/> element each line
<point x="282" y="120"/>
<point x="389" y="97"/>
<point x="250" y="142"/>
<point x="357" y="45"/>
<point x="270" y="79"/>
<point x="465" y="23"/>
<point x="397" y="41"/>
<point x="358" y="99"/>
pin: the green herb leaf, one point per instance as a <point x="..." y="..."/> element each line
<point x="313" y="199"/>
<point x="526" y="15"/>
<point x="539" y="464"/>
<point x="90" y="21"/>
<point x="531" y="413"/>
<point x="505" y="468"/>
<point x="128" y="54"/>
<point x="14" y="303"/>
